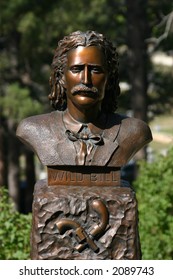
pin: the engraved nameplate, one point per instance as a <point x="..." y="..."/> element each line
<point x="83" y="176"/>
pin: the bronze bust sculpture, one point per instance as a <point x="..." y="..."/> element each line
<point x="84" y="61"/>
<point x="84" y="134"/>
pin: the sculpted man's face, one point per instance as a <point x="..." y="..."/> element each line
<point x="85" y="77"/>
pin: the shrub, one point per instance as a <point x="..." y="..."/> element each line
<point x="154" y="188"/>
<point x="14" y="230"/>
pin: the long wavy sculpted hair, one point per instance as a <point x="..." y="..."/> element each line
<point x="57" y="96"/>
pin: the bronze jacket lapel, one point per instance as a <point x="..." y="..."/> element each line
<point x="104" y="153"/>
<point x="62" y="146"/>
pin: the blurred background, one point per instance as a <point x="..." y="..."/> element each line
<point x="142" y="31"/>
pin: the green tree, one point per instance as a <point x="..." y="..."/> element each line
<point x="14" y="230"/>
<point x="20" y="93"/>
<point x="13" y="110"/>
<point x="155" y="197"/>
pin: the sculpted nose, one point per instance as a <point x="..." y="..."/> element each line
<point x="86" y="76"/>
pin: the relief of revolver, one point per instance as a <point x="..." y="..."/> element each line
<point x="84" y="239"/>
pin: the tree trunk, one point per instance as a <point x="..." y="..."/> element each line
<point x="137" y="56"/>
<point x="137" y="59"/>
<point x="13" y="164"/>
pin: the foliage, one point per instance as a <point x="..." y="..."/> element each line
<point x="18" y="108"/>
<point x="160" y="91"/>
<point x="14" y="230"/>
<point x="155" y="198"/>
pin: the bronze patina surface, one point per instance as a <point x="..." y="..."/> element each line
<point x="83" y="210"/>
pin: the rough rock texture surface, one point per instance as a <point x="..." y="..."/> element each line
<point x="53" y="204"/>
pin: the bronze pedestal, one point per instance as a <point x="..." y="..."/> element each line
<point x="84" y="222"/>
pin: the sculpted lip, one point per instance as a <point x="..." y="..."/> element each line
<point x="88" y="93"/>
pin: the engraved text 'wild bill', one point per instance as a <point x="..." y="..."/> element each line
<point x="66" y="177"/>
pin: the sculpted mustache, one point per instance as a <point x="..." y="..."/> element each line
<point x="78" y="88"/>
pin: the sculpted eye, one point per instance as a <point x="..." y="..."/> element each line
<point x="97" y="70"/>
<point x="75" y="69"/>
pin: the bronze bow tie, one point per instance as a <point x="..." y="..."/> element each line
<point x="85" y="139"/>
<point x="95" y="138"/>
